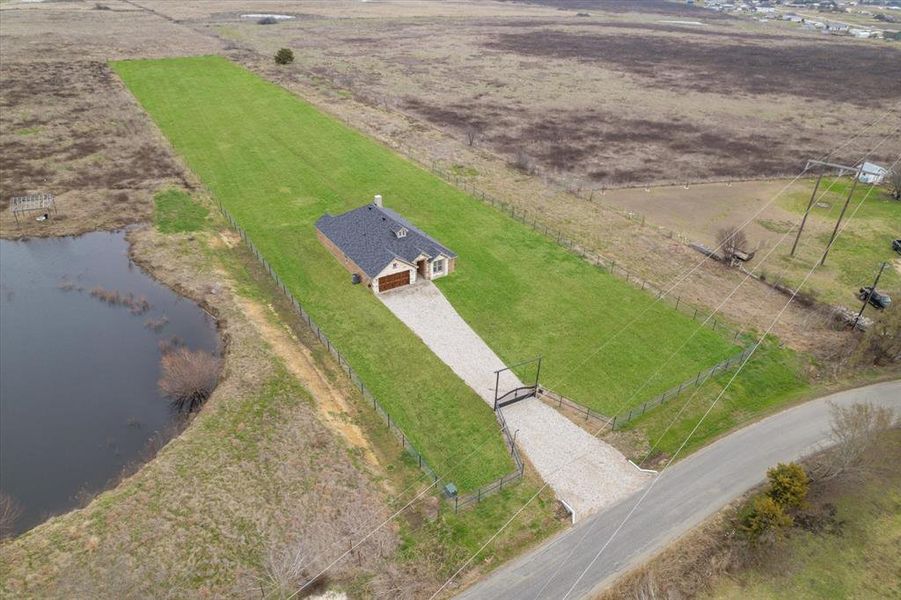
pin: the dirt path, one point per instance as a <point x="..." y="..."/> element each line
<point x="299" y="361"/>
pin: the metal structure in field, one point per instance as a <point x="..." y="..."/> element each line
<point x="519" y="392"/>
<point x="35" y="202"/>
<point x="842" y="169"/>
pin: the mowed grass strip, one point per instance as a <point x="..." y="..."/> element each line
<point x="251" y="143"/>
<point x="278" y="164"/>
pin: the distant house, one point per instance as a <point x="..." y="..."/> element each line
<point x="871" y="173"/>
<point x="385" y="250"/>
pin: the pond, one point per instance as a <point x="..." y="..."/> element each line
<point x="81" y="334"/>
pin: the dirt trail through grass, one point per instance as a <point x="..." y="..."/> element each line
<point x="331" y="404"/>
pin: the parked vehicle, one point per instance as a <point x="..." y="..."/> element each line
<point x="876" y="299"/>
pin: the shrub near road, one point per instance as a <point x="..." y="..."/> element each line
<point x="278" y="164"/>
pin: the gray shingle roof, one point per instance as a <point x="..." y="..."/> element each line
<point x="367" y="235"/>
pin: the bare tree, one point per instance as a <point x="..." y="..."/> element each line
<point x="10" y="511"/>
<point x="853" y="430"/>
<point x="893" y="181"/>
<point x="189" y="377"/>
<point x="881" y="343"/>
<point x="731" y="241"/>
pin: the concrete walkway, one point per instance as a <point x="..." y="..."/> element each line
<point x="584" y="472"/>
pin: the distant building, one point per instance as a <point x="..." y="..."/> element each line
<point x="871" y="173"/>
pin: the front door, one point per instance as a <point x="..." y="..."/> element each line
<point x="422" y="267"/>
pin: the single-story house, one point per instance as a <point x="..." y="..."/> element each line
<point x="382" y="248"/>
<point x="871" y="173"/>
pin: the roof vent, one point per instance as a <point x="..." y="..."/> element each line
<point x="377" y="200"/>
<point x="401" y="233"/>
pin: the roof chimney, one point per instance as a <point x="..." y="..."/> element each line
<point x="377" y="200"/>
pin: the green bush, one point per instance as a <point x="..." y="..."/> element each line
<point x="284" y="56"/>
<point x="788" y="485"/>
<point x="763" y="519"/>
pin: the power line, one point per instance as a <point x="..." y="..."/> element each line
<point x="422" y="492"/>
<point x="725" y="300"/>
<point x="691" y="271"/>
<point x="711" y="407"/>
<point x="544" y="486"/>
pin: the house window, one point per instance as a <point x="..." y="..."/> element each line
<point x="438" y="266"/>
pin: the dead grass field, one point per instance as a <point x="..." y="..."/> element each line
<point x="255" y="477"/>
<point x="617" y="98"/>
<point x="68" y="126"/>
<point x="283" y="461"/>
<point x="364" y="63"/>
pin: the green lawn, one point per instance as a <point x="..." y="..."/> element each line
<point x="175" y="212"/>
<point x="277" y="164"/>
<point x="861" y="247"/>
<point x="772" y="378"/>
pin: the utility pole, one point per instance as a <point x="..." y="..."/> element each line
<point x="866" y="299"/>
<point x="806" y="212"/>
<point x="840" y="217"/>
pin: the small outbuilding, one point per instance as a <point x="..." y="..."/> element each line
<point x="872" y="173"/>
<point x="382" y="248"/>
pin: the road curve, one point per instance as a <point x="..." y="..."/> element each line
<point x="681" y="498"/>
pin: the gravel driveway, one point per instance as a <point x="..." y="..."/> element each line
<point x="584" y="472"/>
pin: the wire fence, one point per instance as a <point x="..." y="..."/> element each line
<point x="497" y="485"/>
<point x="458" y="501"/>
<point x="561" y="401"/>
<point x="607" y="264"/>
<point x="702" y="376"/>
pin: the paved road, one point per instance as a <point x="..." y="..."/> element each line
<point x="682" y="497"/>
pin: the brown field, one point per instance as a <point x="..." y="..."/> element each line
<point x="617" y="98"/>
<point x="414" y="75"/>
<point x="69" y="127"/>
<point x="284" y="463"/>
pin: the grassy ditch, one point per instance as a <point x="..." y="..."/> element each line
<point x="854" y="558"/>
<point x="278" y="164"/>
<point x="772" y="378"/>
